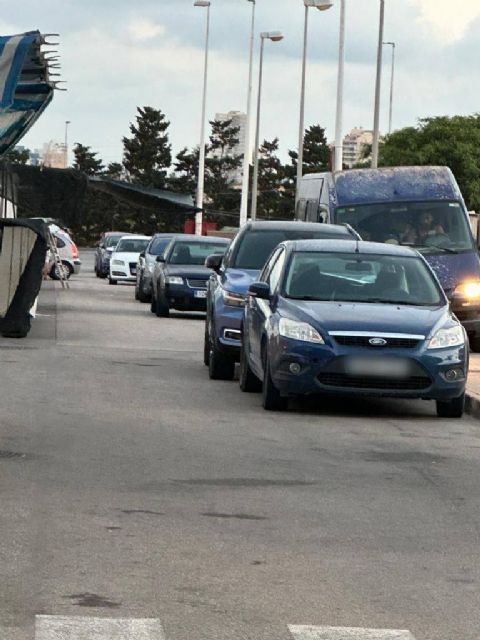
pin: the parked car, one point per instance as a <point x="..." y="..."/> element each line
<point x="108" y="242"/>
<point x="328" y="316"/>
<point x="180" y="276"/>
<point x="232" y="276"/>
<point x="124" y="258"/>
<point x="68" y="252"/>
<point x="146" y="265"/>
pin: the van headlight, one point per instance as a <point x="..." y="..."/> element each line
<point x="452" y="337"/>
<point x="469" y="290"/>
<point x="174" y="280"/>
<point x="299" y="331"/>
<point x="233" y="299"/>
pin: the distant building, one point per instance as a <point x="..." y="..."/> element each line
<point x="54" y="155"/>
<point x="353" y="146"/>
<point x="239" y="120"/>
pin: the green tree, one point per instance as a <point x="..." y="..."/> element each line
<point x="115" y="171"/>
<point x="222" y="165"/>
<point x="184" y="179"/>
<point x="147" y="153"/>
<point x="17" y="155"/>
<point x="86" y="160"/>
<point x="273" y="200"/>
<point x="316" y="152"/>
<point x="445" y="141"/>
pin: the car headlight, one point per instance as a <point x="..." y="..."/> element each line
<point x="470" y="289"/>
<point x="119" y="262"/>
<point x="234" y="299"/>
<point x="299" y="331"/>
<point x="174" y="280"/>
<point x="452" y="337"/>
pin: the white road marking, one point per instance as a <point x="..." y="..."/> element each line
<point x="347" y="633"/>
<point x="80" y="628"/>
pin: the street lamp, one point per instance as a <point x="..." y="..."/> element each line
<point x="340" y="82"/>
<point x="390" y="115"/>
<point x="65" y="149"/>
<point x="246" y="159"/>
<point x="378" y="88"/>
<point x="274" y="36"/>
<point x="321" y="5"/>
<point x="201" y="159"/>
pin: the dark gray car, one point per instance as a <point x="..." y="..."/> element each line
<point x="146" y="265"/>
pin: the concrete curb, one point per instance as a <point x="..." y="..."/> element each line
<point x="472" y="405"/>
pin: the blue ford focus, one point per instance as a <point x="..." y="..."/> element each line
<point x="352" y="318"/>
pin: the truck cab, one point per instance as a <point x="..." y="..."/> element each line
<point x="420" y="207"/>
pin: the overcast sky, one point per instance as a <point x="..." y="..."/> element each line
<point x="119" y="54"/>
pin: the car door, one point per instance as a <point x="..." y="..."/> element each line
<point x="259" y="311"/>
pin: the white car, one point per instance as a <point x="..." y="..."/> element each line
<point x="68" y="252"/>
<point x="123" y="261"/>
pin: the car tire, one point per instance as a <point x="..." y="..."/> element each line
<point x="451" y="408"/>
<point x="249" y="383"/>
<point x="136" y="292"/>
<point x="271" y="398"/>
<point x="206" y="346"/>
<point x="475" y="344"/>
<point x="220" y="366"/>
<point x="162" y="310"/>
<point x="68" y="271"/>
<point x="143" y="297"/>
<point x="111" y="281"/>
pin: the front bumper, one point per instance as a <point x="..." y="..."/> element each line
<point x="185" y="298"/>
<point x="323" y="370"/>
<point x="122" y="273"/>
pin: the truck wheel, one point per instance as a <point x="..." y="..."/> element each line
<point x="452" y="408"/>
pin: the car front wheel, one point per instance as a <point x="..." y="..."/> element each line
<point x="220" y="366"/>
<point x="206" y="346"/>
<point x="271" y="398"/>
<point x="249" y="383"/>
<point x="451" y="408"/>
<point x="162" y="310"/>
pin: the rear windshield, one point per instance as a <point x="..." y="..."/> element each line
<point x="193" y="252"/>
<point x="256" y="246"/>
<point x="128" y="245"/>
<point x="112" y="241"/>
<point x="158" y="246"/>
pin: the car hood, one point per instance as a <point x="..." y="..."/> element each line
<point x="373" y="318"/>
<point x="188" y="271"/>
<point x="126" y="257"/>
<point x="452" y="269"/>
<point x="238" y="280"/>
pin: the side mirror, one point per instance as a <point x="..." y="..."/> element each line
<point x="142" y="255"/>
<point x="259" y="290"/>
<point x="323" y="213"/>
<point x="160" y="259"/>
<point x="214" y="261"/>
<point x="101" y="245"/>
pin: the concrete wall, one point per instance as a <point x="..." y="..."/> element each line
<point x="15" y="249"/>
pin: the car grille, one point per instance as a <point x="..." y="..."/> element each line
<point x="133" y="268"/>
<point x="363" y="341"/>
<point x="395" y="384"/>
<point x="197" y="284"/>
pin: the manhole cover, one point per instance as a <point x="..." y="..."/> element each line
<point x="8" y="455"/>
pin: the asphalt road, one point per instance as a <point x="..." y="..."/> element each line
<point x="133" y="487"/>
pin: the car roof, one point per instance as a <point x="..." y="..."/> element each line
<point x="185" y="236"/>
<point x="131" y="236"/>
<point x="117" y="233"/>
<point x="284" y="225"/>
<point x="346" y="246"/>
<point x="164" y="235"/>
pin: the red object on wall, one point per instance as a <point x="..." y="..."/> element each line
<point x="189" y="227"/>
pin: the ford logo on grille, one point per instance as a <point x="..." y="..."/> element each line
<point x="377" y="342"/>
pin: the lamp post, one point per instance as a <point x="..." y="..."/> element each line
<point x="392" y="79"/>
<point x="246" y="159"/>
<point x="340" y="82"/>
<point x="65" y="148"/>
<point x="321" y="5"/>
<point x="274" y="36"/>
<point x="378" y="88"/>
<point x="201" y="159"/>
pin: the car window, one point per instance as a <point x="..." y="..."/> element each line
<point x="276" y="271"/>
<point x="193" y="252"/>
<point x="60" y="242"/>
<point x="265" y="274"/>
<point x="111" y="241"/>
<point x="158" y="245"/>
<point x="132" y="245"/>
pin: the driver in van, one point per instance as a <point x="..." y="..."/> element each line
<point x="427" y="227"/>
<point x="401" y="232"/>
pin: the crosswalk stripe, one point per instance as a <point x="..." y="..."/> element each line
<point x="347" y="633"/>
<point x="81" y="628"/>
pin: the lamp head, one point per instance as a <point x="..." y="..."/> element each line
<point x="201" y="3"/>
<point x="321" y="5"/>
<point x="274" y="36"/>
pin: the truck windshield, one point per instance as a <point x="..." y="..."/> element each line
<point x="430" y="227"/>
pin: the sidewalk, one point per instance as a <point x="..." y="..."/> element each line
<point x="473" y="386"/>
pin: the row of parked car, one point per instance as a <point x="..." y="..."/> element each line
<point x="307" y="308"/>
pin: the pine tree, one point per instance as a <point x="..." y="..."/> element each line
<point x="148" y="153"/>
<point x="115" y="171"/>
<point x="222" y="164"/>
<point x="184" y="180"/>
<point x="86" y="160"/>
<point x="271" y="200"/>
<point x="316" y="153"/>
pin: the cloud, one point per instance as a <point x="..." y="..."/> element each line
<point x="448" y="24"/>
<point x="143" y="29"/>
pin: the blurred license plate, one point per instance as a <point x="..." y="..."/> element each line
<point x="378" y="367"/>
<point x="200" y="294"/>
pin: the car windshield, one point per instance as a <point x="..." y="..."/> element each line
<point x="158" y="246"/>
<point x="132" y="245"/>
<point x="256" y="246"/>
<point x="361" y="278"/>
<point x="194" y="252"/>
<point x="111" y="241"/>
<point x="431" y="227"/>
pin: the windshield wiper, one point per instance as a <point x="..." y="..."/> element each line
<point x="435" y="246"/>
